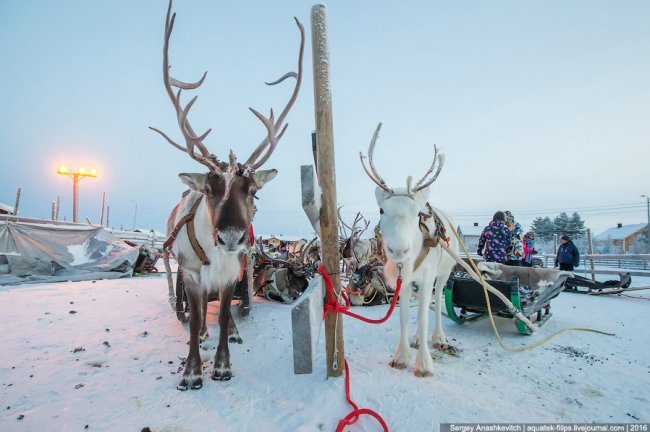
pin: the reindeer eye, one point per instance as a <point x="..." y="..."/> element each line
<point x="381" y="211"/>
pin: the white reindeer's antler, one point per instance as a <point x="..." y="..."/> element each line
<point x="440" y="159"/>
<point x="374" y="176"/>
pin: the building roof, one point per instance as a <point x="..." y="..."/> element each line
<point x="621" y="233"/>
<point x="470" y="230"/>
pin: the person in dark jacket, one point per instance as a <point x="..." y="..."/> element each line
<point x="568" y="256"/>
<point x="496" y="239"/>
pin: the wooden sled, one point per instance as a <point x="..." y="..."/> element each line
<point x="465" y="301"/>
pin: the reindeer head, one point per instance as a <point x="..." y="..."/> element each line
<point x="229" y="187"/>
<point x="400" y="208"/>
<point x="231" y="211"/>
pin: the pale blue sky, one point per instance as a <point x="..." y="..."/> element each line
<point x="539" y="106"/>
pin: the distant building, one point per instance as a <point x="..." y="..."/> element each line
<point x="620" y="239"/>
<point x="6" y="209"/>
<point x="469" y="234"/>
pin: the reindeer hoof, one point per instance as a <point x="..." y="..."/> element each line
<point x="397" y="365"/>
<point x="221" y="376"/>
<point x="186" y="383"/>
<point x="415" y="345"/>
<point x="204" y="336"/>
<point x="233" y="339"/>
<point x="422" y="374"/>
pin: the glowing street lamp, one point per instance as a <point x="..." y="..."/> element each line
<point x="76" y="176"/>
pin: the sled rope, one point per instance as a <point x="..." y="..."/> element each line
<point x="333" y="305"/>
<point x="476" y="275"/>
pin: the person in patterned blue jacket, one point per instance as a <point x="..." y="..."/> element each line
<point x="495" y="239"/>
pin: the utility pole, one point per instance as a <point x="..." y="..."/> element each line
<point x="17" y="202"/>
<point x="647" y="200"/>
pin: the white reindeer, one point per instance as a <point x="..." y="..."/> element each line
<point x="411" y="230"/>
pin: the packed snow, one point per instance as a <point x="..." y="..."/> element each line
<point x="106" y="356"/>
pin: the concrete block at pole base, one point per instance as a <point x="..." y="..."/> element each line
<point x="306" y="322"/>
<point x="311" y="196"/>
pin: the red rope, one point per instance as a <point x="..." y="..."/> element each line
<point x="333" y="305"/>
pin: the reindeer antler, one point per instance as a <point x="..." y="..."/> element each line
<point x="272" y="126"/>
<point x="440" y="158"/>
<point x="191" y="139"/>
<point x="374" y="176"/>
<point x="342" y="224"/>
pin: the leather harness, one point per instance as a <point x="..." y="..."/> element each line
<point x="429" y="240"/>
<point x="191" y="234"/>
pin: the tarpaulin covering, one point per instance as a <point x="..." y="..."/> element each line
<point x="52" y="253"/>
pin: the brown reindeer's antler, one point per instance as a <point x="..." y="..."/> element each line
<point x="191" y="139"/>
<point x="342" y="225"/>
<point x="440" y="158"/>
<point x="374" y="176"/>
<point x="272" y="126"/>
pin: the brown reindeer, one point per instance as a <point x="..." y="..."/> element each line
<point x="217" y="210"/>
<point x="354" y="251"/>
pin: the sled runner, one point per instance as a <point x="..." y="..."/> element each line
<point x="582" y="285"/>
<point x="465" y="300"/>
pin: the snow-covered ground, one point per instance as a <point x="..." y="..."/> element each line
<point x="106" y="356"/>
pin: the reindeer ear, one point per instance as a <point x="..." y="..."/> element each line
<point x="197" y="182"/>
<point x="262" y="177"/>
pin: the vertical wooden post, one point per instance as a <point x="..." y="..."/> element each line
<point x="53" y="210"/>
<point x="101" y="219"/>
<point x="327" y="178"/>
<point x="17" y="202"/>
<point x="58" y="203"/>
<point x="590" y="248"/>
<point x="108" y="214"/>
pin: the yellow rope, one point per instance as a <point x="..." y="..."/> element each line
<point x="494" y="327"/>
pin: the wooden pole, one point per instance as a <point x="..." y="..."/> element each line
<point x="53" y="210"/>
<point x="327" y="178"/>
<point x="17" y="202"/>
<point x="590" y="248"/>
<point x="58" y="203"/>
<point x="108" y="214"/>
<point x="101" y="219"/>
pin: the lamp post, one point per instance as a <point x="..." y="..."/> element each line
<point x="76" y="176"/>
<point x="647" y="200"/>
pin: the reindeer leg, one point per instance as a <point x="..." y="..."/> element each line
<point x="203" y="336"/>
<point x="402" y="356"/>
<point x="221" y="370"/>
<point x="192" y="375"/>
<point x="233" y="333"/>
<point x="438" y="339"/>
<point x="423" y="362"/>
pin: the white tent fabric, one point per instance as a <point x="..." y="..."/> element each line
<point x="51" y="253"/>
